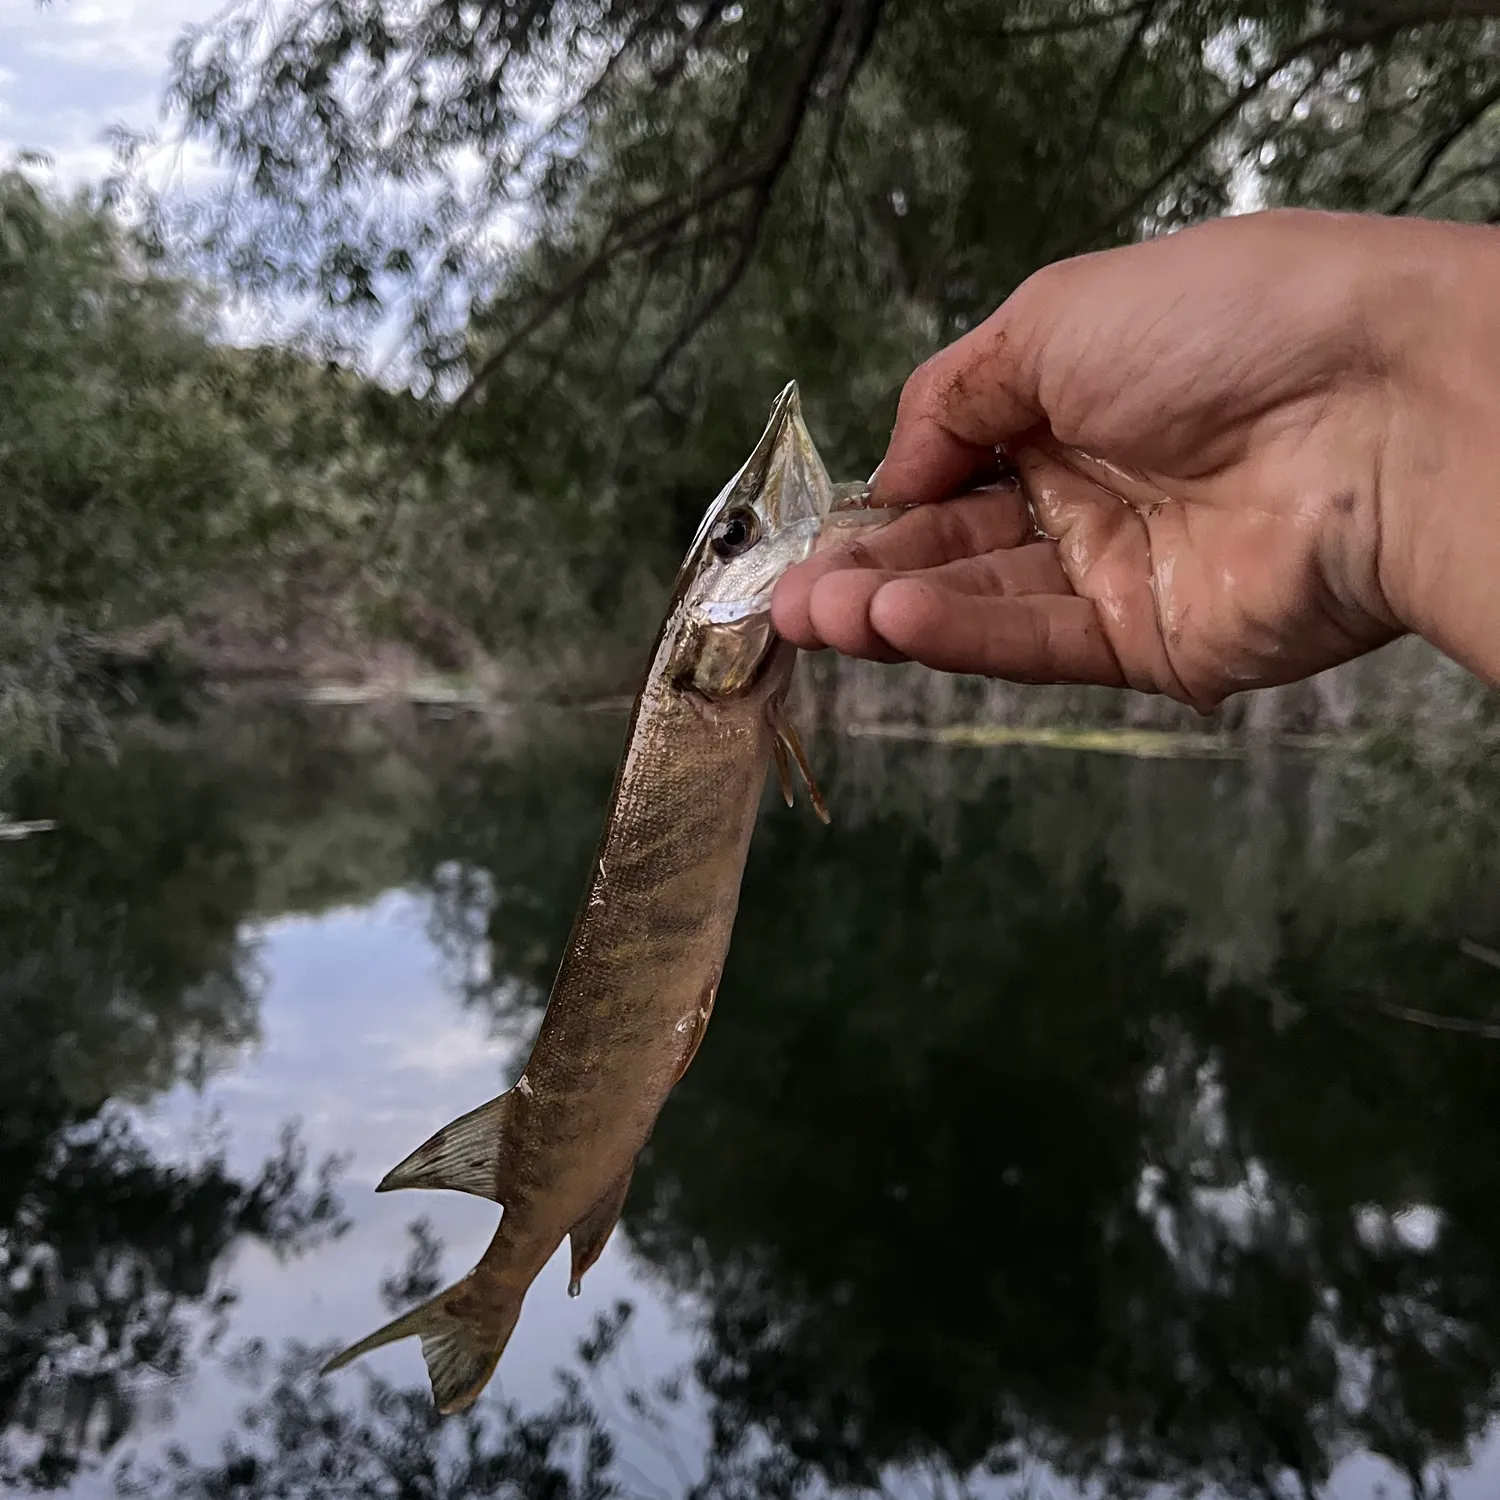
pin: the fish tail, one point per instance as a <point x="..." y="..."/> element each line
<point x="461" y="1347"/>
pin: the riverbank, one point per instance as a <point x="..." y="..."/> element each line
<point x="305" y="638"/>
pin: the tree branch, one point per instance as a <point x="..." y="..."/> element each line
<point x="644" y="23"/>
<point x="1489" y="1030"/>
<point x="1069" y="24"/>
<point x="864" y="16"/>
<point x="1379" y="23"/>
<point x="652" y="223"/>
<point x="1146" y="13"/>
<point x="754" y="78"/>
<point x="710" y="304"/>
<point x="1441" y="146"/>
<point x="1479" y="171"/>
<point x="1128" y="52"/>
<point x="865" y="39"/>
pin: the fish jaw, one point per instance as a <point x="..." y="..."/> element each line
<point x="785" y="487"/>
<point x="780" y="507"/>
<point x="798" y="508"/>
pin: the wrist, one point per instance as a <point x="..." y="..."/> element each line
<point x="1438" y="293"/>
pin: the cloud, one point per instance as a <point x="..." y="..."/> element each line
<point x="110" y="35"/>
<point x="72" y="71"/>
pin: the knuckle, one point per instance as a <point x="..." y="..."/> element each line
<point x="920" y="396"/>
<point x="1043" y="289"/>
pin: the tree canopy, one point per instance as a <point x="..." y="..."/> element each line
<point x="611" y="230"/>
<point x="956" y="144"/>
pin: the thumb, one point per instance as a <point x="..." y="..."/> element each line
<point x="979" y="392"/>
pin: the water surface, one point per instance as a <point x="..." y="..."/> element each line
<point x="1068" y="1125"/>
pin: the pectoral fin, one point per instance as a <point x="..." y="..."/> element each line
<point x="589" y="1234"/>
<point x="783" y="768"/>
<point x="464" y="1156"/>
<point x="787" y="741"/>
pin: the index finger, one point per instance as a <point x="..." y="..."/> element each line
<point x="984" y="521"/>
<point x="956" y="408"/>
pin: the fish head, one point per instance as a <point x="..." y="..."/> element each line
<point x="767" y="518"/>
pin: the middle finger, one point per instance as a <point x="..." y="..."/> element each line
<point x="839" y="603"/>
<point x="925" y="537"/>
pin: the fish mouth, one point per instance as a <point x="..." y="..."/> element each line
<point x="757" y="474"/>
<point x="778" y="440"/>
<point x="781" y="430"/>
<point x="785" y="482"/>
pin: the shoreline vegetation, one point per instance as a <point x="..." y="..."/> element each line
<point x="1406" y="689"/>
<point x="226" y="650"/>
<point x="579" y="343"/>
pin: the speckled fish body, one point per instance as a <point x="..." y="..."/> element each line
<point x="638" y="979"/>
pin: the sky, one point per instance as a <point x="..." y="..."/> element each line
<point x="363" y="1041"/>
<point x="74" y="68"/>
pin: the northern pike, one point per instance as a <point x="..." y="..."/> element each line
<point x="637" y="982"/>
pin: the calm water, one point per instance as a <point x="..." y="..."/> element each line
<point x="1062" y="1129"/>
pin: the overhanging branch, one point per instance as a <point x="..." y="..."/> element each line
<point x="1367" y="27"/>
<point x="755" y="174"/>
<point x="1442" y="145"/>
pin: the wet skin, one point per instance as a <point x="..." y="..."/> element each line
<point x="1298" y="414"/>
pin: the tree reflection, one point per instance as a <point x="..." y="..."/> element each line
<point x="1050" y="1115"/>
<point x="107" y="1268"/>
<point x="506" y="853"/>
<point x="602" y="1436"/>
<point x="298" y="1437"/>
<point x="123" y="969"/>
<point x="1067" y="1125"/>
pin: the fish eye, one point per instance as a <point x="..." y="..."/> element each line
<point x="736" y="531"/>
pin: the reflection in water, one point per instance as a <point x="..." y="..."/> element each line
<point x="394" y="1442"/>
<point x="122" y="968"/>
<point x="1055" y="1119"/>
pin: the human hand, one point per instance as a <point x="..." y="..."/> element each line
<point x="1295" y="415"/>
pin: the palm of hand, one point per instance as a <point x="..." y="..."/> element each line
<point x="1240" y="549"/>
<point x="1093" y="574"/>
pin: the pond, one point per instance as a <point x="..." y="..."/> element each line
<point x="1069" y="1125"/>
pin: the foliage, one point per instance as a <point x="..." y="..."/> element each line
<point x="140" y="460"/>
<point x="613" y="229"/>
<point x="604" y="234"/>
<point x="123" y="467"/>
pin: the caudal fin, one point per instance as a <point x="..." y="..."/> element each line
<point x="461" y="1347"/>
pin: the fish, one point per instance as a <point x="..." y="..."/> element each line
<point x="639" y="976"/>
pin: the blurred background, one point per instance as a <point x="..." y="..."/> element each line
<point x="1104" y="1106"/>
<point x="372" y="343"/>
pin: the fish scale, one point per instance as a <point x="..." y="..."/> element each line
<point x="639" y="976"/>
